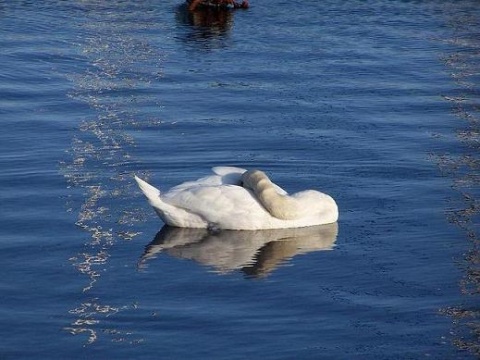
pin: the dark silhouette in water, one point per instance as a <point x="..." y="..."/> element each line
<point x="207" y="22"/>
<point x="218" y="4"/>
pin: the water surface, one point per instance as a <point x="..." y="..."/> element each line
<point x="375" y="103"/>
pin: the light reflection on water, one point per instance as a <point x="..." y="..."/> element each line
<point x="464" y="169"/>
<point x="121" y="67"/>
<point x="101" y="165"/>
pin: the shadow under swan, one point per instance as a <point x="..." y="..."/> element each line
<point x="256" y="253"/>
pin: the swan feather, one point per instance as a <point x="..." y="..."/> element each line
<point x="237" y="199"/>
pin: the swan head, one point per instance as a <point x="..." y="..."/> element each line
<point x="309" y="203"/>
<point x="251" y="179"/>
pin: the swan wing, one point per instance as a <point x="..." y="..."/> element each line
<point x="220" y="201"/>
<point x="226" y="206"/>
<point x="222" y="175"/>
<point x="171" y="215"/>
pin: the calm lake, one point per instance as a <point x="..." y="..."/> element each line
<point x="373" y="102"/>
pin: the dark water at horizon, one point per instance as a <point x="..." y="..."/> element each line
<point x="375" y="103"/>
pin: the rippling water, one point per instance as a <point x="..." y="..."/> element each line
<point x="375" y="103"/>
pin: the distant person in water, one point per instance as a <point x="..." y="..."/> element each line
<point x="229" y="4"/>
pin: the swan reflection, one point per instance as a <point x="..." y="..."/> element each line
<point x="256" y="253"/>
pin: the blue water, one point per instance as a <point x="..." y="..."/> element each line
<point x="375" y="103"/>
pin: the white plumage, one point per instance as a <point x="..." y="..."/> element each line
<point x="237" y="199"/>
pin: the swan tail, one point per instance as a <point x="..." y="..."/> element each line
<point x="151" y="192"/>
<point x="170" y="214"/>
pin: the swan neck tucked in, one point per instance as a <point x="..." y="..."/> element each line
<point x="280" y="206"/>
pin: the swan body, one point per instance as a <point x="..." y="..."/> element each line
<point x="236" y="199"/>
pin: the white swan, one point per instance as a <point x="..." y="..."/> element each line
<point x="237" y="199"/>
